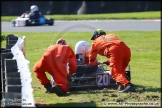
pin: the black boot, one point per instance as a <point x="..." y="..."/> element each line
<point x="48" y="88"/>
<point x="120" y="87"/>
<point x="128" y="88"/>
<point x="56" y="89"/>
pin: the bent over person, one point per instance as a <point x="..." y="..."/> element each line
<point x="119" y="55"/>
<point x="54" y="61"/>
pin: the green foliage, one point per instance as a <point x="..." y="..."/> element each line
<point x="3" y="38"/>
<point x="145" y="68"/>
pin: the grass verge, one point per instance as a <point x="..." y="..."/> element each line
<point x="145" y="69"/>
<point x="108" y="16"/>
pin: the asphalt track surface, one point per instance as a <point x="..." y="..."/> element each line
<point x="88" y="25"/>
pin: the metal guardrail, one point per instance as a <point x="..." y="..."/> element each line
<point x="12" y="77"/>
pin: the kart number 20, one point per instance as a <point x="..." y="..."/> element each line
<point x="103" y="79"/>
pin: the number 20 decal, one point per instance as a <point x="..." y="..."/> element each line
<point x="103" y="79"/>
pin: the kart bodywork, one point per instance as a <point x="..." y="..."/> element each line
<point x="26" y="21"/>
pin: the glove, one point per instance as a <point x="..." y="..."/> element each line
<point x="94" y="65"/>
<point x="107" y="62"/>
<point x="86" y="60"/>
<point x="48" y="88"/>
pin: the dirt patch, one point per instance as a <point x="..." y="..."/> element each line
<point x="40" y="104"/>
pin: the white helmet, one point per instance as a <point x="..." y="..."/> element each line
<point x="34" y="8"/>
<point x="82" y="47"/>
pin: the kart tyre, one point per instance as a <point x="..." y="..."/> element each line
<point x="50" y="21"/>
<point x="50" y="24"/>
<point x="13" y="23"/>
<point x="27" y="23"/>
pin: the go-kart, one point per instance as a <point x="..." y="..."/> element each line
<point x="90" y="78"/>
<point x="24" y="20"/>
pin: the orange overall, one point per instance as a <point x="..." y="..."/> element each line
<point x="118" y="53"/>
<point x="54" y="61"/>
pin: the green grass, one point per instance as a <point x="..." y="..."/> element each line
<point x="108" y="16"/>
<point x="145" y="68"/>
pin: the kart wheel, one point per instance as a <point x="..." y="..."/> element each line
<point x="50" y="21"/>
<point x="50" y="24"/>
<point x="27" y="23"/>
<point x="13" y="23"/>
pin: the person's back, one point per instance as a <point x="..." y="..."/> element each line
<point x="62" y="54"/>
<point x="107" y="39"/>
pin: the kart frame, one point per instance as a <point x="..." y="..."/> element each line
<point x="92" y="78"/>
<point x="97" y="79"/>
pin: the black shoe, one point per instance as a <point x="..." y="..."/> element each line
<point x="128" y="88"/>
<point x="120" y="87"/>
<point x="48" y="88"/>
<point x="56" y="89"/>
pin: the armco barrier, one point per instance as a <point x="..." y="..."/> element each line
<point x="17" y="50"/>
<point x="16" y="76"/>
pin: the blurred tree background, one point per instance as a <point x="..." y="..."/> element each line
<point x="14" y="8"/>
